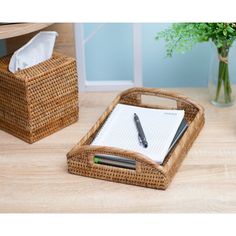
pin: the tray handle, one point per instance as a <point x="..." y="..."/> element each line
<point x="89" y="151"/>
<point x="133" y="96"/>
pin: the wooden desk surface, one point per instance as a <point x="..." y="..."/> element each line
<point x="34" y="178"/>
<point x="13" y="30"/>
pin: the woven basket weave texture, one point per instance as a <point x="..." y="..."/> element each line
<point x="147" y="173"/>
<point x="40" y="100"/>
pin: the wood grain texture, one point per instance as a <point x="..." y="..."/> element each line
<point x="34" y="178"/>
<point x="14" y="30"/>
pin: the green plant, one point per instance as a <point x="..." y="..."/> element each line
<point x="181" y="37"/>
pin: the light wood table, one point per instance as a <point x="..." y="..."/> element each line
<point x="13" y="30"/>
<point x="34" y="178"/>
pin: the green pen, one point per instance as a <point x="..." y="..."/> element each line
<point x="113" y="161"/>
<point x="96" y="159"/>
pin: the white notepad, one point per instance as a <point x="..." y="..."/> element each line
<point x="159" y="126"/>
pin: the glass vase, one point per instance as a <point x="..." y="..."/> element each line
<point x="222" y="76"/>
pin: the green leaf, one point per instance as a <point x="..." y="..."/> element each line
<point x="181" y="37"/>
<point x="225" y="32"/>
<point x="230" y="29"/>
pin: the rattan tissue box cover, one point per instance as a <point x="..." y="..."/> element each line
<point x="40" y="100"/>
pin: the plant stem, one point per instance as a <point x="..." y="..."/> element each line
<point x="223" y="77"/>
<point x="228" y="86"/>
<point x="225" y="86"/>
<point x="219" y="82"/>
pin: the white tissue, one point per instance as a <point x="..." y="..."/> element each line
<point x="38" y="49"/>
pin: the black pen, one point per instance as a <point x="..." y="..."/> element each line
<point x="141" y="135"/>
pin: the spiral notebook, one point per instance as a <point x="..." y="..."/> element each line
<point x="160" y="127"/>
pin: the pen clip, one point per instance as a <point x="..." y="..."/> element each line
<point x="140" y="140"/>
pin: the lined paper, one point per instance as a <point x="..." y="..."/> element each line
<point x="159" y="126"/>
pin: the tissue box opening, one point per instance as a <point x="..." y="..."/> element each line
<point x="40" y="100"/>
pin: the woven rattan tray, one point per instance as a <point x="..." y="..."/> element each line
<point x="147" y="173"/>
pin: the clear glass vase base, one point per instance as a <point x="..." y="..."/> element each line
<point x="222" y="104"/>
